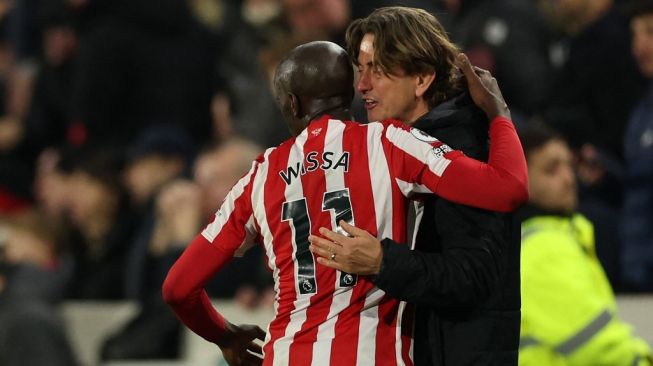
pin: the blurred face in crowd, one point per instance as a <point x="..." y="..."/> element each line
<point x="642" y="45"/>
<point x="216" y="173"/>
<point x="320" y="17"/>
<point x="568" y="11"/>
<point x="388" y="96"/>
<point x="145" y="175"/>
<point x="59" y="44"/>
<point x="90" y="198"/>
<point x="551" y="179"/>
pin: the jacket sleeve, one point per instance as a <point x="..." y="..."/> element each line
<point x="461" y="275"/>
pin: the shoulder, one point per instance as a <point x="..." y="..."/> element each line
<point x="547" y="242"/>
<point x="384" y="125"/>
<point x="387" y="129"/>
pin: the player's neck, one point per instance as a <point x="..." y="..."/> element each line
<point x="334" y="106"/>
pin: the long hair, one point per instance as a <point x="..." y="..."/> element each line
<point x="411" y="40"/>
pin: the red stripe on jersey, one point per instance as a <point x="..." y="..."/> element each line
<point x="274" y="196"/>
<point x="386" y="332"/>
<point x="345" y="346"/>
<point x="314" y="185"/>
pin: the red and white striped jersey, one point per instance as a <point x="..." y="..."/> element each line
<point x="338" y="170"/>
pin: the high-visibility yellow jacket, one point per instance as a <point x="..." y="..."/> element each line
<point x="569" y="314"/>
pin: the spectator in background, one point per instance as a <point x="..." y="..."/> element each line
<point x="49" y="114"/>
<point x="637" y="223"/>
<point x="318" y="19"/>
<point x="158" y="156"/>
<point x="147" y="62"/>
<point x="17" y="53"/>
<point x="328" y="19"/>
<point x="589" y="107"/>
<point x="103" y="225"/>
<point x="569" y="313"/>
<point x="511" y="39"/>
<point x="242" y="103"/>
<point x="590" y="104"/>
<point x="33" y="274"/>
<point x="175" y="209"/>
<point x="185" y="207"/>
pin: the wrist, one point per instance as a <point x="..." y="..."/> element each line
<point x="227" y="337"/>
<point x="499" y="113"/>
<point x="500" y="117"/>
<point x="378" y="263"/>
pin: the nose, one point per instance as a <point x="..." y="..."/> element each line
<point x="363" y="85"/>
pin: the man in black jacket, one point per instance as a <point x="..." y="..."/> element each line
<point x="464" y="275"/>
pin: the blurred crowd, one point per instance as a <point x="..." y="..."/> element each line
<point x="124" y="123"/>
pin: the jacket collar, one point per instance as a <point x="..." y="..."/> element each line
<point x="529" y="211"/>
<point x="459" y="109"/>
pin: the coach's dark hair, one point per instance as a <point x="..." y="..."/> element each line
<point x="411" y="40"/>
<point x="535" y="134"/>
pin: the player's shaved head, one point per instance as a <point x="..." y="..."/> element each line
<point x="317" y="69"/>
<point x="313" y="79"/>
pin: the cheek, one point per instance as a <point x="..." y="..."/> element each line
<point x="540" y="187"/>
<point x="392" y="95"/>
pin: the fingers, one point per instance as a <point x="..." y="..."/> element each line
<point x="254" y="331"/>
<point x="476" y="76"/>
<point x="260" y="333"/>
<point x="322" y="247"/>
<point x="479" y="71"/>
<point x="352" y="230"/>
<point x="250" y="359"/>
<point x="330" y="263"/>
<point x="325" y="244"/>
<point x="466" y="67"/>
<point x="333" y="236"/>
<point x="255" y="348"/>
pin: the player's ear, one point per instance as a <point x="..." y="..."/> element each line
<point x="423" y="83"/>
<point x="295" y="107"/>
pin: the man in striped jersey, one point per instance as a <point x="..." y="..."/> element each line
<point x="335" y="170"/>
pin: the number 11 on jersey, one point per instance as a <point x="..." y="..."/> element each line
<point x="296" y="213"/>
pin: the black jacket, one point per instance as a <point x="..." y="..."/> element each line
<point x="464" y="273"/>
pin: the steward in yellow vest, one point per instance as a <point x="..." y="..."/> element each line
<point x="569" y="313"/>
